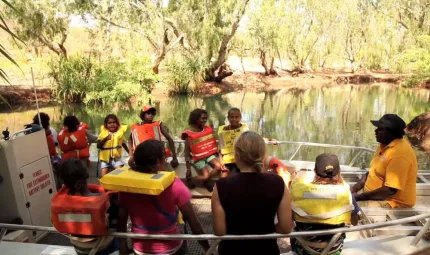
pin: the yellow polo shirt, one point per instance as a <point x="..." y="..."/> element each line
<point x="395" y="166"/>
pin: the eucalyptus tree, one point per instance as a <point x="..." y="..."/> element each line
<point x="266" y="21"/>
<point x="41" y="23"/>
<point x="209" y="28"/>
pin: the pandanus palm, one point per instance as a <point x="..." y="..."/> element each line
<point x="3" y="51"/>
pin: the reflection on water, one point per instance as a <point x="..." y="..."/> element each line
<point x="337" y="115"/>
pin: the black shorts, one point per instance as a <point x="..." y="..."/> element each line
<point x="232" y="167"/>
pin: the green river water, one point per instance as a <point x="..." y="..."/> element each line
<point x="336" y="115"/>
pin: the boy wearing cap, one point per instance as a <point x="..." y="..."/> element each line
<point x="150" y="129"/>
<point x="321" y="200"/>
<point x="391" y="180"/>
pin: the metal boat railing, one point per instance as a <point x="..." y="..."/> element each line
<point x="336" y="232"/>
<point x="360" y="150"/>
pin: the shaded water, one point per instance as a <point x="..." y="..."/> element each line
<point x="336" y="115"/>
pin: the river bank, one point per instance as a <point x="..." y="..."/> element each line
<point x="249" y="81"/>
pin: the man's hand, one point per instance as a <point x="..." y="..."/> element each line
<point x="380" y="194"/>
<point x="354" y="195"/>
<point x="174" y="163"/>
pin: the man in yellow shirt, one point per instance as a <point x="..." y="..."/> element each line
<point x="391" y="180"/>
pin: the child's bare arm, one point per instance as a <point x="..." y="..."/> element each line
<point x="169" y="140"/>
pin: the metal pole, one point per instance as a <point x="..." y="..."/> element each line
<point x="420" y="234"/>
<point x="2" y="233"/>
<point x="368" y="231"/>
<point x="236" y="237"/>
<point x="212" y="248"/>
<point x="294" y="154"/>
<point x="35" y="96"/>
<point x="355" y="158"/>
<point x="330" y="244"/>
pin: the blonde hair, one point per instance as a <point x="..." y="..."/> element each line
<point x="250" y="149"/>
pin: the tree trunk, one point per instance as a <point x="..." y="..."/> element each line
<point x="157" y="59"/>
<point x="272" y="67"/>
<point x="222" y="51"/>
<point x="241" y="62"/>
<point x="264" y="63"/>
<point x="63" y="50"/>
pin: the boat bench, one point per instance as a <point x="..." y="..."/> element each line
<point x="381" y="245"/>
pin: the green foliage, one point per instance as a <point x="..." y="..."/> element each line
<point x="139" y="72"/>
<point x="417" y="61"/>
<point x="41" y="23"/>
<point x="73" y="77"/>
<point x="122" y="92"/>
<point x="185" y="74"/>
<point x="81" y="79"/>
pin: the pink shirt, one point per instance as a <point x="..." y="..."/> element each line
<point x="143" y="213"/>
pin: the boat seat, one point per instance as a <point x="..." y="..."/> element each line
<point x="379" y="245"/>
<point x="15" y="248"/>
<point x="382" y="245"/>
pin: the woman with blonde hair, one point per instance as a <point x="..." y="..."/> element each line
<point x="247" y="203"/>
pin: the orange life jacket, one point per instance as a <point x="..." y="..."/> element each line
<point x="74" y="144"/>
<point x="202" y="144"/>
<point x="80" y="215"/>
<point x="141" y="132"/>
<point x="51" y="145"/>
<point x="286" y="172"/>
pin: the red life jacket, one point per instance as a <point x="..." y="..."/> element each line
<point x="74" y="144"/>
<point x="79" y="215"/>
<point x="142" y="132"/>
<point x="202" y="144"/>
<point x="51" y="145"/>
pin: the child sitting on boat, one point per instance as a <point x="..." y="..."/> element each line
<point x="321" y="200"/>
<point x="110" y="143"/>
<point x="74" y="138"/>
<point x="200" y="149"/>
<point x="150" y="129"/>
<point x="75" y="175"/>
<point x="227" y="135"/>
<point x="156" y="214"/>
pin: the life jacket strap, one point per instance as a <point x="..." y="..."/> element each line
<point x="172" y="218"/>
<point x="322" y="216"/>
<point x="110" y="148"/>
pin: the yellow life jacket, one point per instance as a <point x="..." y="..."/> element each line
<point x="323" y="204"/>
<point x="113" y="147"/>
<point x="126" y="180"/>
<point x="226" y="141"/>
